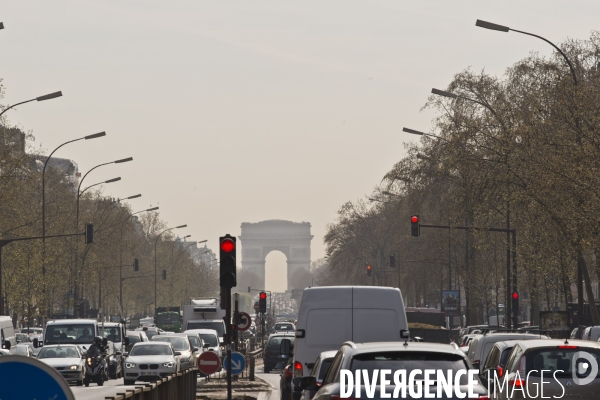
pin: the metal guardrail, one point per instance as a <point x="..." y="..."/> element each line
<point x="177" y="386"/>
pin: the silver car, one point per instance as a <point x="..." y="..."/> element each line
<point x="181" y="344"/>
<point x="66" y="359"/>
<point x="150" y="361"/>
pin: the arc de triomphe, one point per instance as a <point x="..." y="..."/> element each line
<point x="291" y="238"/>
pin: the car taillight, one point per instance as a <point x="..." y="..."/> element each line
<point x="298" y="369"/>
<point x="500" y="371"/>
<point x="483" y="397"/>
<point x="568" y="347"/>
<point x="517" y="383"/>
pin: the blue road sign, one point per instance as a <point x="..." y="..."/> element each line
<point x="238" y="363"/>
<point x="31" y="379"/>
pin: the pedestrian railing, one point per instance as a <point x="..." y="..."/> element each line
<point x="177" y="386"/>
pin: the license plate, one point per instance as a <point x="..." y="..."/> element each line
<point x="148" y="373"/>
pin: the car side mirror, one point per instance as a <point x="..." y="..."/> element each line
<point x="310" y="365"/>
<point x="195" y="349"/>
<point x="36" y="343"/>
<point x="285" y="349"/>
<point x="404" y="334"/>
<point x="7" y="344"/>
<point x="126" y="342"/>
<point x="118" y="353"/>
<point x="177" y="353"/>
<point x="83" y="347"/>
<point x="125" y="354"/>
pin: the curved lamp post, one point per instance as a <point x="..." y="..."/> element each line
<point x="41" y="98"/>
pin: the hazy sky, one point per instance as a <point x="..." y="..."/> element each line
<point x="243" y="111"/>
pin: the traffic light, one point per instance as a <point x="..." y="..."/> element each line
<point x="392" y="261"/>
<point x="262" y="302"/>
<point x="515" y="303"/>
<point x="415" y="226"/>
<point x="164" y="274"/>
<point x="136" y="264"/>
<point x="89" y="233"/>
<point x="369" y="272"/>
<point x="227" y="261"/>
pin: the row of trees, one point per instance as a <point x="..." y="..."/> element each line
<point x="524" y="147"/>
<point x="51" y="279"/>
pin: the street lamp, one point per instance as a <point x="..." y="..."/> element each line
<point x="502" y="28"/>
<point x="94" y="136"/>
<point x="135" y="196"/>
<point x="84" y="190"/>
<point x="155" y="266"/>
<point x="41" y="98"/>
<point x="185" y="237"/>
<point x="414" y="132"/>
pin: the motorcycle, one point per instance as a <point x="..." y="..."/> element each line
<point x="95" y="370"/>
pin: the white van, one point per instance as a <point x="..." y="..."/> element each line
<point x="7" y="332"/>
<point x="332" y="315"/>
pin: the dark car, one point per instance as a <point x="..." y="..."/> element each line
<point x="272" y="355"/>
<point x="285" y="383"/>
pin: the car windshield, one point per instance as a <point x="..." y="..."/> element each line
<point x="210" y="339"/>
<point x="179" y="344"/>
<point x="69" y="333"/>
<point x="133" y="339"/>
<point x="324" y="367"/>
<point x="561" y="359"/>
<point x="410" y="361"/>
<point x="59" y="352"/>
<point x="150" y="333"/>
<point x="283" y="327"/>
<point x="149" y="350"/>
<point x="112" y="333"/>
<point x="37" y="331"/>
<point x="195" y="341"/>
<point x="19" y="350"/>
<point x="275" y="341"/>
<point x="168" y="318"/>
<point x="216" y="325"/>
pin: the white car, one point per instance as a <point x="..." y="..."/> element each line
<point x="66" y="359"/>
<point x="150" y="361"/>
<point x="210" y="337"/>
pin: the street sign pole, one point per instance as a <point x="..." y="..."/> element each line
<point x="236" y="321"/>
<point x="228" y="337"/>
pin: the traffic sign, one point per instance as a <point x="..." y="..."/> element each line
<point x="256" y="306"/>
<point x="208" y="362"/>
<point x="238" y="363"/>
<point x="22" y="371"/>
<point x="244" y="321"/>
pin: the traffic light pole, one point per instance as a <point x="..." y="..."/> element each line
<point x="511" y="316"/>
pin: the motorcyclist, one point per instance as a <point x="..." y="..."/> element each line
<point x="96" y="348"/>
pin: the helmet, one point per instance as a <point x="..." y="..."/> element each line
<point x="98" y="340"/>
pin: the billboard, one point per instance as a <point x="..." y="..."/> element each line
<point x="554" y="321"/>
<point x="451" y="302"/>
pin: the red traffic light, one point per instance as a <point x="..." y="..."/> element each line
<point x="414" y="219"/>
<point x="368" y="267"/>
<point x="227" y="245"/>
<point x="515" y="296"/>
<point x="263" y="296"/>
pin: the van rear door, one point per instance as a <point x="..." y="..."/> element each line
<point x="375" y="315"/>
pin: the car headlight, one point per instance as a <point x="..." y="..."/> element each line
<point x="129" y="365"/>
<point x="89" y="361"/>
<point x="169" y="364"/>
<point x="73" y="367"/>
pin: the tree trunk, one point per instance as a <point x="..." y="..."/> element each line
<point x="588" y="287"/>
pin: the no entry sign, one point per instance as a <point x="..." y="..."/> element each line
<point x="244" y="322"/>
<point x="209" y="362"/>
